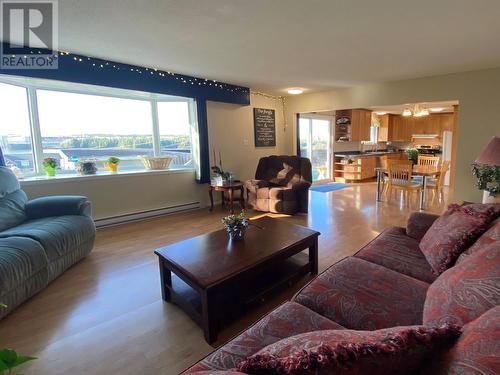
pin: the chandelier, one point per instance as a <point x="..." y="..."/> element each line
<point x="418" y="110"/>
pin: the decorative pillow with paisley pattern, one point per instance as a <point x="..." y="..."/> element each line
<point x="454" y="231"/>
<point x="490" y="236"/>
<point x="476" y="352"/>
<point x="398" y="350"/>
<point x="465" y="291"/>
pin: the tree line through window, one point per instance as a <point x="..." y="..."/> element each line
<point x="89" y="126"/>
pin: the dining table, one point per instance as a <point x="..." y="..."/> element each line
<point x="424" y="171"/>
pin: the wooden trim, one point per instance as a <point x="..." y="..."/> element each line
<point x="454" y="142"/>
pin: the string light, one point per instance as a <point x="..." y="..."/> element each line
<point x="281" y="99"/>
<point x="103" y="64"/>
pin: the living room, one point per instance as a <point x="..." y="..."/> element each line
<point x="116" y="153"/>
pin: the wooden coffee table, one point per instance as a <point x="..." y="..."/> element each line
<point x="211" y="277"/>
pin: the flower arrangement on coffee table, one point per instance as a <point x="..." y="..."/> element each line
<point x="236" y="225"/>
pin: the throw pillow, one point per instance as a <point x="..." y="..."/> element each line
<point x="398" y="350"/>
<point x="464" y="292"/>
<point x="281" y="178"/>
<point x="490" y="236"/>
<point x="454" y="231"/>
<point x="476" y="352"/>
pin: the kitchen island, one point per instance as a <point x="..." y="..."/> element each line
<point x="356" y="166"/>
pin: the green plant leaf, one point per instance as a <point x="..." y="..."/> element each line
<point x="9" y="359"/>
<point x="8" y="356"/>
<point x="23" y="359"/>
<point x="3" y="366"/>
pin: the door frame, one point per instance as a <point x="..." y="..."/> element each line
<point x="317" y="116"/>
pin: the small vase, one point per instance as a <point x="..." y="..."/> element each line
<point x="113" y="167"/>
<point x="49" y="171"/>
<point x="236" y="233"/>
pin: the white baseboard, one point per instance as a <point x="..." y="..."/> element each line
<point x="127" y="218"/>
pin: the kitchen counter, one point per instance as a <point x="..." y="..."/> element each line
<point x="358" y="154"/>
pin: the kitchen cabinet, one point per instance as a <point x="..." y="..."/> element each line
<point x="401" y="128"/>
<point x="398" y="128"/>
<point x="352" y="125"/>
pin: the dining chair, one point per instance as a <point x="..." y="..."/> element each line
<point x="400" y="178"/>
<point x="384" y="164"/>
<point x="437" y="185"/>
<point x="428" y="160"/>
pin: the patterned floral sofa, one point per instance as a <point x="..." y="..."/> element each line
<point x="387" y="284"/>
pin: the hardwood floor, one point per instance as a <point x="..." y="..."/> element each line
<point x="105" y="315"/>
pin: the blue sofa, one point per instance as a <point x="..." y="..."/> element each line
<point x="39" y="239"/>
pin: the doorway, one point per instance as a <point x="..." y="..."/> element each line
<point x="315" y="143"/>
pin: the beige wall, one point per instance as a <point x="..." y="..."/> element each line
<point x="229" y="126"/>
<point x="478" y="94"/>
<point x="232" y="133"/>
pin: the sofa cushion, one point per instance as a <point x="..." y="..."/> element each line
<point x="464" y="292"/>
<point x="8" y="182"/>
<point x="395" y="250"/>
<point x="476" y="352"/>
<point x="288" y="319"/>
<point x="419" y="223"/>
<point x="58" y="235"/>
<point x="490" y="236"/>
<point x="12" y="209"/>
<point x="20" y="258"/>
<point x="282" y="194"/>
<point x="398" y="350"/>
<point x="454" y="231"/>
<point x="23" y="270"/>
<point x="362" y="295"/>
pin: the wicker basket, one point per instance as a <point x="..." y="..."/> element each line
<point x="156" y="163"/>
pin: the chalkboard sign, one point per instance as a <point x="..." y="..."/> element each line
<point x="264" y="127"/>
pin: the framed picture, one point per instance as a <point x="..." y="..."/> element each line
<point x="264" y="122"/>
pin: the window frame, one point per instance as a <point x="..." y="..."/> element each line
<point x="33" y="84"/>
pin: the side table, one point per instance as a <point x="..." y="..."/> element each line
<point x="229" y="188"/>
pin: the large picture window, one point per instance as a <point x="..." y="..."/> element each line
<point x="76" y="127"/>
<point x="15" y="133"/>
<point x="74" y="123"/>
<point x="175" y="132"/>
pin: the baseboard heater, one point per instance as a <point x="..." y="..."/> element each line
<point x="149" y="214"/>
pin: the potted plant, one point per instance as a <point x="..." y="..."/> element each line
<point x="112" y="163"/>
<point x="412" y="154"/>
<point x="49" y="166"/>
<point x="86" y="167"/>
<point x="486" y="168"/>
<point x="488" y="180"/>
<point x="221" y="176"/>
<point x="236" y="225"/>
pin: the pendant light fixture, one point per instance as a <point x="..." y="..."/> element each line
<point x="417" y="111"/>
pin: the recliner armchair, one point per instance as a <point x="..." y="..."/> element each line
<point x="39" y="239"/>
<point x="281" y="185"/>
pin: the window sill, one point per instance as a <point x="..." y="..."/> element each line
<point x="61" y="178"/>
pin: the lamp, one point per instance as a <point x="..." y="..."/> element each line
<point x="486" y="168"/>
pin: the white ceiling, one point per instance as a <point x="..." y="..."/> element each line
<point x="273" y="45"/>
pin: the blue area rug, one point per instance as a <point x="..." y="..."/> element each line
<point x="325" y="188"/>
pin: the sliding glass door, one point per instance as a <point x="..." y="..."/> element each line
<point x="314" y="133"/>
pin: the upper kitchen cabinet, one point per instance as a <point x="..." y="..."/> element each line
<point x="401" y="128"/>
<point x="393" y="128"/>
<point x="352" y="125"/>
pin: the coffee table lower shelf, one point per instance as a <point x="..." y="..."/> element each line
<point x="234" y="298"/>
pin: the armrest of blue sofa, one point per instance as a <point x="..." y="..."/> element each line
<point x="58" y="205"/>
